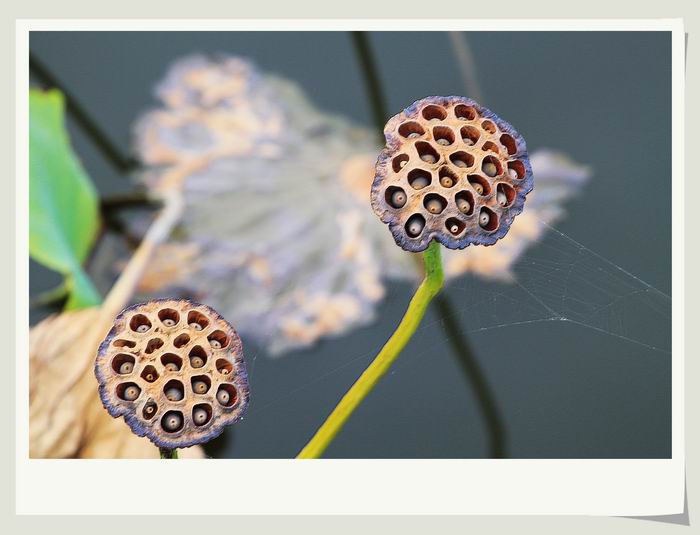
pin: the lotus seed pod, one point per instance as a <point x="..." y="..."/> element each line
<point x="484" y="219"/>
<point x="199" y="387"/>
<point x="463" y="206"/>
<point x="398" y="198"/>
<point x="155" y="399"/>
<point x="433" y="206"/>
<point x="200" y="416"/>
<point x="446" y="182"/>
<point x="223" y="397"/>
<point x="419" y="182"/>
<point x="172" y="421"/>
<point x="131" y="392"/>
<point x="490" y="169"/>
<point x="466" y="175"/>
<point x="174" y="394"/>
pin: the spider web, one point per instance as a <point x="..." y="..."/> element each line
<point x="558" y="280"/>
<point x="563" y="280"/>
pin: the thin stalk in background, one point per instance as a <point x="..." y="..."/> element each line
<point x="444" y="308"/>
<point x="428" y="289"/>
<point x="93" y="131"/>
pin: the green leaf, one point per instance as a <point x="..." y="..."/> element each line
<point x="63" y="205"/>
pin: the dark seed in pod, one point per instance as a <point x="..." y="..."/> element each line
<point x="223" y="397"/>
<point x="126" y="367"/>
<point x="419" y="182"/>
<point x="463" y="205"/>
<point x="142" y="328"/>
<point x="199" y="387"/>
<point x="433" y="206"/>
<point x="415" y="227"/>
<point x="501" y="198"/>
<point x="150" y="377"/>
<point x="171" y="367"/>
<point x="215" y="344"/>
<point x="478" y="188"/>
<point x="428" y="158"/>
<point x="173" y="394"/>
<point x="484" y="219"/>
<point x="398" y="199"/>
<point x="196" y="362"/>
<point x="168" y="322"/>
<point x="149" y="409"/>
<point x="195" y="326"/>
<point x="131" y="392"/>
<point x="446" y="182"/>
<point x="199" y="416"/>
<point x="172" y="422"/>
<point x="454" y="229"/>
<point x="490" y="168"/>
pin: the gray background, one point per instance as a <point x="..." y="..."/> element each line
<point x="565" y="391"/>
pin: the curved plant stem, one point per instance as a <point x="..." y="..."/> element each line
<point x="166" y="453"/>
<point x="446" y="311"/>
<point x="429" y="288"/>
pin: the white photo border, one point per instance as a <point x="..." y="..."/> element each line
<point x="625" y="487"/>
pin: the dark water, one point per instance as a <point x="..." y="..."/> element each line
<point x="564" y="390"/>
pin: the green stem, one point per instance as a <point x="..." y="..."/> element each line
<point x="166" y="453"/>
<point x="429" y="288"/>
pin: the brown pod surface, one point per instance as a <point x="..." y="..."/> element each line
<point x="175" y="371"/>
<point x="452" y="171"/>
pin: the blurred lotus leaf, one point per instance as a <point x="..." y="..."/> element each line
<point x="66" y="417"/>
<point x="278" y="233"/>
<point x="63" y="206"/>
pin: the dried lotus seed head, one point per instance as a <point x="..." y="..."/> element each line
<point x="131" y="392"/>
<point x="223" y="397"/>
<point x="199" y="387"/>
<point x="199" y="416"/>
<point x="454" y="149"/>
<point x="172" y="421"/>
<point x="166" y="384"/>
<point x="174" y="394"/>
